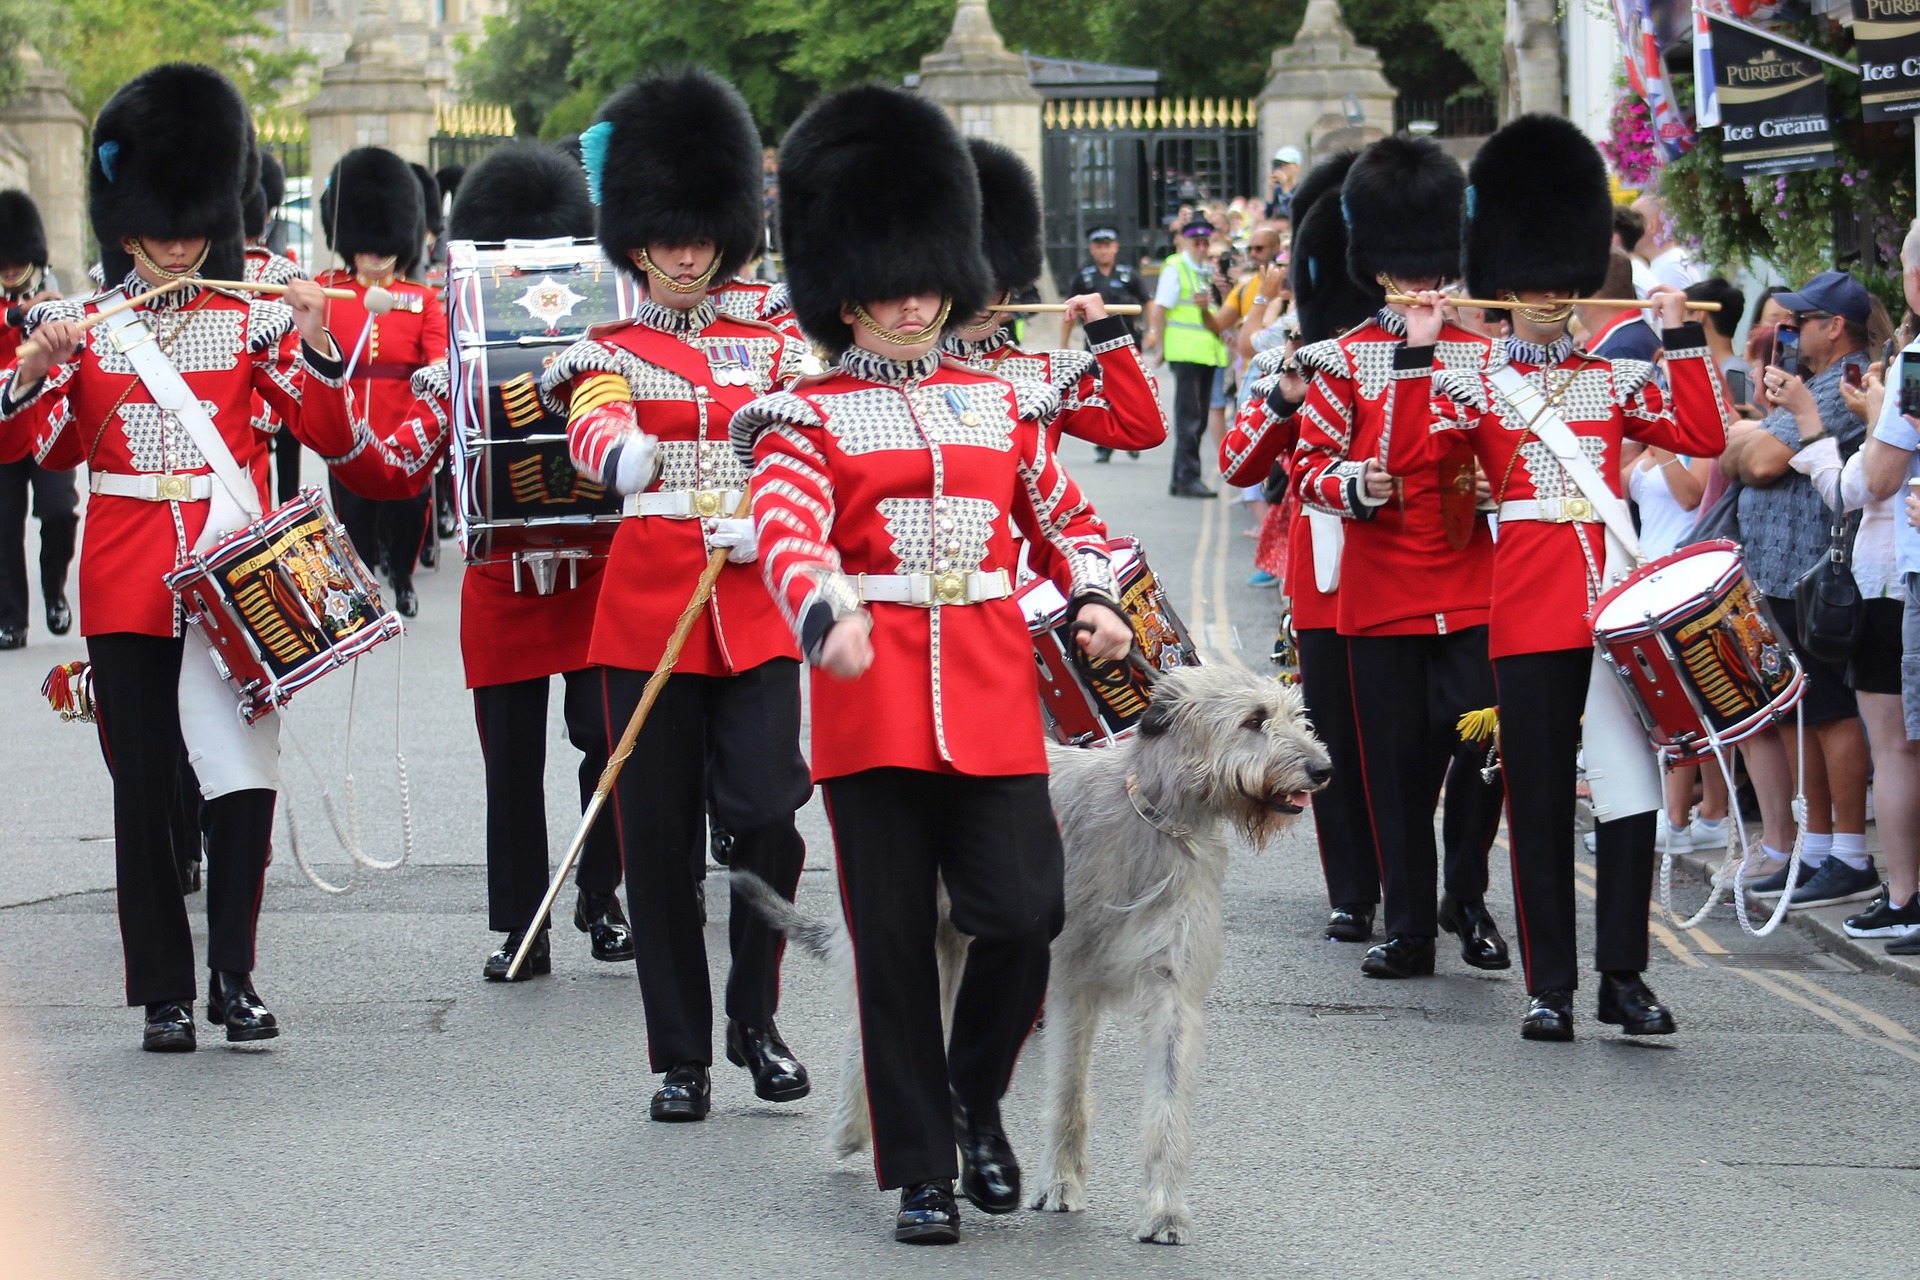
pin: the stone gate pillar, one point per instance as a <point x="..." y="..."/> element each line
<point x="1306" y="97"/>
<point x="983" y="86"/>
<point x="52" y="137"/>
<point x="374" y="97"/>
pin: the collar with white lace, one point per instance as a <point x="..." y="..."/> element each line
<point x="1392" y="321"/>
<point x="679" y="323"/>
<point x="1520" y="351"/>
<point x="135" y="284"/>
<point x="873" y="367"/>
<point x="951" y="343"/>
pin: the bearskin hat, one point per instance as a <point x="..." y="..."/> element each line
<point x="373" y="204"/>
<point x="1010" y="219"/>
<point x="450" y="176"/>
<point x="1539" y="213"/>
<point x="430" y="198"/>
<point x="266" y="195"/>
<point x="1327" y="175"/>
<point x="1402" y="204"/>
<point x="878" y="199"/>
<point x="675" y="157"/>
<point x="172" y="158"/>
<point x="1327" y="298"/>
<point x="522" y="191"/>
<point x="23" y="238"/>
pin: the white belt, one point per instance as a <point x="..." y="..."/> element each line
<point x="683" y="504"/>
<point x="1572" y="510"/>
<point x="930" y="589"/>
<point x="152" y="488"/>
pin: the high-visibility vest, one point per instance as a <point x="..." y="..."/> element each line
<point x="1188" y="340"/>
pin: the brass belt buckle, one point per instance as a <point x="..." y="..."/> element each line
<point x="172" y="488"/>
<point x="706" y="504"/>
<point x="1575" y="509"/>
<point x="949" y="588"/>
<point x="129" y="335"/>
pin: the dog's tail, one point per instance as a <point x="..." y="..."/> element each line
<point x="824" y="940"/>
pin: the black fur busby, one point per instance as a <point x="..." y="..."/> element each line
<point x="266" y="195"/>
<point x="450" y="176"/>
<point x="23" y="238"/>
<point x="676" y="158"/>
<point x="1402" y="202"/>
<point x="1326" y="176"/>
<point x="172" y="158"/>
<point x="373" y="204"/>
<point x="1539" y="213"/>
<point x="430" y="198"/>
<point x="1326" y="297"/>
<point x="878" y="200"/>
<point x="1010" y="219"/>
<point x="522" y="191"/>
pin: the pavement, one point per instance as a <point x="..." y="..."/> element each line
<point x="413" y="1120"/>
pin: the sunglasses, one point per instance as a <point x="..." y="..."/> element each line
<point x="1801" y="317"/>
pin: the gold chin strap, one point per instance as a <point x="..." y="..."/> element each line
<point x="897" y="337"/>
<point x="383" y="277"/>
<point x="698" y="286"/>
<point x="13" y="283"/>
<point x="139" y="252"/>
<point x="1552" y="313"/>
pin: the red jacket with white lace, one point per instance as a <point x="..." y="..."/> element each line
<point x="678" y="377"/>
<point x="1265" y="433"/>
<point x="922" y="467"/>
<point x="1547" y="575"/>
<point x="758" y="300"/>
<point x="396" y="345"/>
<point x="1106" y="396"/>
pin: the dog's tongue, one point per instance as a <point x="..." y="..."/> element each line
<point x="1292" y="802"/>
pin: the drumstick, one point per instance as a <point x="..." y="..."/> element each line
<point x="1515" y="304"/>
<point x="378" y="301"/>
<point x="108" y="312"/>
<point x="1055" y="308"/>
<point x="648" y="696"/>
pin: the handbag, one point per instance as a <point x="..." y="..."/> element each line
<point x="1833" y="615"/>
<point x="1721" y="520"/>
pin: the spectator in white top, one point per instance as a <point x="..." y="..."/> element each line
<point x="1668" y="262"/>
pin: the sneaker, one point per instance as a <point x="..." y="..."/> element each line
<point x="1837" y="882"/>
<point x="1907" y="946"/>
<point x="1762" y="868"/>
<point x="1261" y="578"/>
<point x="1668" y="838"/>
<point x="1709" y="833"/>
<point x="1775" y="883"/>
<point x="1883" y="919"/>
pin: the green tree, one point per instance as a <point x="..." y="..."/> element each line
<point x="101" y="44"/>
<point x="523" y="61"/>
<point x="1475" y="30"/>
<point x="21" y="22"/>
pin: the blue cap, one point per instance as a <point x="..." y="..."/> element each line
<point x="1834" y="292"/>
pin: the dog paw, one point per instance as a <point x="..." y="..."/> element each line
<point x="1166" y="1228"/>
<point x="1061" y="1197"/>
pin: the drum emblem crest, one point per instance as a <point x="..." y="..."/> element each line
<point x="549" y="301"/>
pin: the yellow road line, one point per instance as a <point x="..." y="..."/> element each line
<point x="1197" y="607"/>
<point x="1880" y="1022"/>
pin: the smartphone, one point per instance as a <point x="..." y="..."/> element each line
<point x="1786" y="350"/>
<point x="1887" y="349"/>
<point x="1910" y="386"/>
<point x="1851" y="375"/>
<point x="1738" y="387"/>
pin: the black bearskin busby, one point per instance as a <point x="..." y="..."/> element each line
<point x="23" y="237"/>
<point x="430" y="198"/>
<point x="450" y="176"/>
<point x="522" y="191"/>
<point x="1326" y="297"/>
<point x="1010" y="219"/>
<point x="1402" y="202"/>
<point x="373" y="204"/>
<point x="878" y="200"/>
<point x="172" y="158"/>
<point x="266" y="195"/>
<point x="1539" y="213"/>
<point x="676" y="158"/>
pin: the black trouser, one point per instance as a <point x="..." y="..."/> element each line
<point x="286" y="465"/>
<point x="1409" y="693"/>
<point x="1542" y="696"/>
<point x="513" y="747"/>
<point x="897" y="834"/>
<point x="1192" y="397"/>
<point x="740" y="735"/>
<point x="55" y="502"/>
<point x="1348" y="858"/>
<point x="385" y="529"/>
<point x="136" y="683"/>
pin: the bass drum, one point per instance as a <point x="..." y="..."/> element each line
<point x="512" y="308"/>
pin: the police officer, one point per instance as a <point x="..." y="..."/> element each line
<point x="1115" y="282"/>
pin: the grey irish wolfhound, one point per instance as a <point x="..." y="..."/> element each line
<point x="1148" y="827"/>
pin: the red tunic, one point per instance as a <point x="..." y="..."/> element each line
<point x="672" y="363"/>
<point x="758" y="300"/>
<point x="1257" y="440"/>
<point x="399" y="343"/>
<point x="884" y="467"/>
<point x="1547" y="575"/>
<point x="1106" y="396"/>
<point x="94" y="410"/>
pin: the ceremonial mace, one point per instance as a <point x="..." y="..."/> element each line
<point x="1514" y="304"/>
<point x="378" y="300"/>
<point x="648" y="696"/>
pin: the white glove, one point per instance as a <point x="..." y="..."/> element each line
<point x="633" y="459"/>
<point x="736" y="536"/>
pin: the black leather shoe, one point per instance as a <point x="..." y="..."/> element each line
<point x="927" y="1214"/>
<point x="1351" y="922"/>
<point x="1102" y="455"/>
<point x="59" y="615"/>
<point x="1628" y="1003"/>
<point x="989" y="1175"/>
<point x="405" y="602"/>
<point x="778" y="1076"/>
<point x="11" y="638"/>
<point x="1480" y="942"/>
<point x="233" y="1004"/>
<point x="686" y="1094"/>
<point x="1401" y="956"/>
<point x="1549" y="1017"/>
<point x="1194" y="490"/>
<point x="598" y="915"/>
<point x="169" y="1028"/>
<point x="539" y="960"/>
<point x="720" y="842"/>
<point x="427" y="555"/>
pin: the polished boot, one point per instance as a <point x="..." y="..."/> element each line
<point x="232" y="1003"/>
<point x="1628" y="1003"/>
<point x="13" y="638"/>
<point x="1549" y="1017"/>
<point x="169" y="1028"/>
<point x="59" y="615"/>
<point x="406" y="602"/>
<point x="599" y="916"/>
<point x="927" y="1214"/>
<point x="720" y="842"/>
<point x="539" y="960"/>
<point x="1350" y="922"/>
<point x="1480" y="942"/>
<point x="1401" y="956"/>
<point x="686" y="1094"/>
<point x="778" y="1076"/>
<point x="989" y="1175"/>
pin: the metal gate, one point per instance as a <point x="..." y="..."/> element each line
<point x="464" y="132"/>
<point x="1130" y="163"/>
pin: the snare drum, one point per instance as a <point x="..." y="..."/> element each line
<point x="1106" y="707"/>
<point x="512" y="308"/>
<point x="282" y="602"/>
<point x="1692" y="638"/>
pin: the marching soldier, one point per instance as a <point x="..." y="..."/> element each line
<point x="268" y="267"/>
<point x="885" y="495"/>
<point x="675" y="162"/>
<point x="1117" y="284"/>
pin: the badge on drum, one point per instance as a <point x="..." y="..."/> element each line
<point x="549" y="301"/>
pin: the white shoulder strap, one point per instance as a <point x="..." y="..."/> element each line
<point x="133" y="337"/>
<point x="1544" y="420"/>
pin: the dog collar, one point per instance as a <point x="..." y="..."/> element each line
<point x="1151" y="815"/>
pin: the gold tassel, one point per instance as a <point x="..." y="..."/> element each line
<point x="1479" y="726"/>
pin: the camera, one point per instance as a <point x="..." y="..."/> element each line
<point x="1786" y="350"/>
